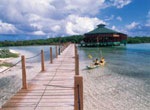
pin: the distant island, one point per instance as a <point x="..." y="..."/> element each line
<point x="58" y="40"/>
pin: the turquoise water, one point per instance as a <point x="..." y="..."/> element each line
<point x="131" y="60"/>
<point x="34" y="50"/>
<point x="124" y="82"/>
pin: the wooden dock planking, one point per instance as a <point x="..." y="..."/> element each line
<point x="40" y="95"/>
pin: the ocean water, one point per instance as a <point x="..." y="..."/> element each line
<point x="124" y="82"/>
<point x="34" y="50"/>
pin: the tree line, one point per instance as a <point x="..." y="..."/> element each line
<point x="57" y="40"/>
<point x="136" y="40"/>
<point x="49" y="41"/>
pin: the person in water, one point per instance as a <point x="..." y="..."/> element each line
<point x="96" y="62"/>
<point x="102" y="61"/>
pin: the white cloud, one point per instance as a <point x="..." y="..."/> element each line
<point x="84" y="6"/>
<point x="53" y="17"/>
<point x="119" y="18"/>
<point x="148" y="14"/>
<point x="119" y="29"/>
<point x="35" y="25"/>
<point x="110" y="18"/>
<point x="38" y="33"/>
<point x="56" y="28"/>
<point x="6" y="28"/>
<point x="114" y="27"/>
<point x="132" y="25"/>
<point x="137" y="28"/>
<point x="79" y="25"/>
<point x="120" y="3"/>
<point x="48" y="16"/>
<point x="148" y="21"/>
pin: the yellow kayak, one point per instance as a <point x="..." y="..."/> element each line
<point x="95" y="66"/>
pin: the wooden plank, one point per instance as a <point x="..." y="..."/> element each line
<point x="56" y="100"/>
<point x="18" y="108"/>
<point x="44" y="97"/>
<point x="56" y="104"/>
<point x="47" y="90"/>
<point x="55" y="108"/>
<point x="23" y="100"/>
<point x="19" y="104"/>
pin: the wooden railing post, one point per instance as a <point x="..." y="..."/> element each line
<point x="56" y="53"/>
<point x="24" y="79"/>
<point x="62" y="48"/>
<point x="78" y="93"/>
<point x="42" y="61"/>
<point x="75" y="49"/>
<point x="51" y="55"/>
<point x="77" y="65"/>
<point x="59" y="50"/>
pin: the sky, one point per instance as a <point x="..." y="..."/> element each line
<point x="54" y="18"/>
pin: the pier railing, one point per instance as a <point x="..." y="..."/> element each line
<point x="78" y="83"/>
<point x="23" y="61"/>
<point x="78" y="80"/>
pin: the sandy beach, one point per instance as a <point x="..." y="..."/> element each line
<point x="8" y="60"/>
<point x="10" y="81"/>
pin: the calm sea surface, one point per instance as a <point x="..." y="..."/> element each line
<point x="131" y="60"/>
<point x="34" y="50"/>
<point x="124" y="82"/>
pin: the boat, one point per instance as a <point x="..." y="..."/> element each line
<point x="92" y="66"/>
<point x="95" y="66"/>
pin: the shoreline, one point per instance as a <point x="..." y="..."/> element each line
<point x="11" y="80"/>
<point x="32" y="45"/>
<point x="8" y="60"/>
<point x="12" y="51"/>
<point x="12" y="60"/>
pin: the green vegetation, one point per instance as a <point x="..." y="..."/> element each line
<point x="57" y="40"/>
<point x="5" y="53"/>
<point x="51" y="41"/>
<point x="6" y="64"/>
<point x="133" y="40"/>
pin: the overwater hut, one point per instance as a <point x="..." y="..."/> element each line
<point x="102" y="36"/>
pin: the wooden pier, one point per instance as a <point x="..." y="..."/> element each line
<point x="56" y="87"/>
